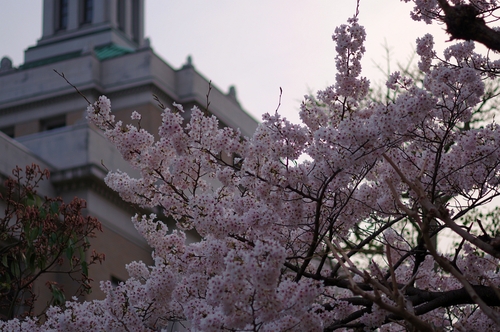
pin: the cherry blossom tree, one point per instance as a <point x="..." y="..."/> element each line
<point x="329" y="225"/>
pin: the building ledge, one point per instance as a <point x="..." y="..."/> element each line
<point x="47" y="61"/>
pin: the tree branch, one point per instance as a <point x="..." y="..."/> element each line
<point x="462" y="22"/>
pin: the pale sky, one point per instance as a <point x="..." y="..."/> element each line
<point x="257" y="45"/>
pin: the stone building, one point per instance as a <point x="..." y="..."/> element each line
<point x="100" y="47"/>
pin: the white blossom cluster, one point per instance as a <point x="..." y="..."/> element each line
<point x="316" y="245"/>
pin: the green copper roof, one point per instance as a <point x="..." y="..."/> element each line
<point x="111" y="51"/>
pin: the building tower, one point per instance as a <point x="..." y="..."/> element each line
<point x="100" y="47"/>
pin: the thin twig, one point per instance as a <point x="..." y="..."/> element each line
<point x="279" y="101"/>
<point x="74" y="87"/>
<point x="208" y="95"/>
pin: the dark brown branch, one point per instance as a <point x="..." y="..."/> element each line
<point x="462" y="22"/>
<point x="423" y="301"/>
<point x="454" y="297"/>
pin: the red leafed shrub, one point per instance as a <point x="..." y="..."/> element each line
<point x="41" y="235"/>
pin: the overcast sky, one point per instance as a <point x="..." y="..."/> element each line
<point x="256" y="45"/>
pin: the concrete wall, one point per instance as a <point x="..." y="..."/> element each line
<point x="15" y="154"/>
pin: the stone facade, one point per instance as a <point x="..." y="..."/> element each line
<point x="99" y="46"/>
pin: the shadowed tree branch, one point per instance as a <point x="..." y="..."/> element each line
<point x="462" y="22"/>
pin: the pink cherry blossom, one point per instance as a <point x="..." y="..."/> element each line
<point x="320" y="226"/>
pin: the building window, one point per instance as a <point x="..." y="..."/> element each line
<point x="135" y="20"/>
<point x="87" y="11"/>
<point x="53" y="123"/>
<point x="9" y="131"/>
<point x="63" y="14"/>
<point x="121" y="15"/>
